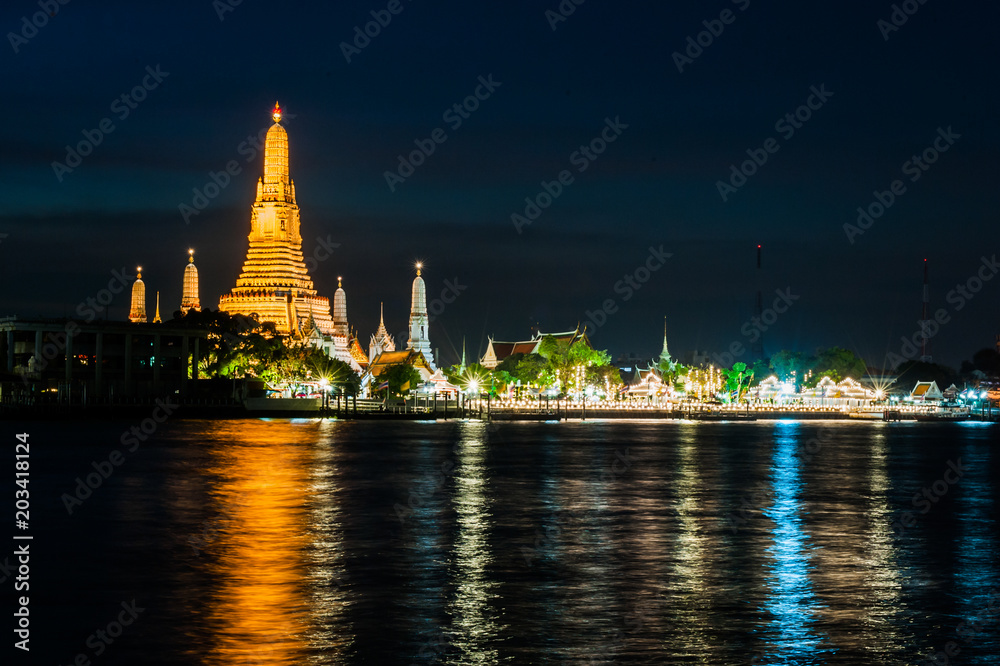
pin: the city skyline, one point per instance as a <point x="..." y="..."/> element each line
<point x="671" y="137"/>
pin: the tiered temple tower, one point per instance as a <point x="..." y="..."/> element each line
<point x="189" y="299"/>
<point x="419" y="325"/>
<point x="137" y="313"/>
<point x="275" y="284"/>
<point x="340" y="325"/>
<point x="381" y="341"/>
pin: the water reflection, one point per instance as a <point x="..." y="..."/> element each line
<point x="328" y="582"/>
<point x="689" y="601"/>
<point x="976" y="575"/>
<point x="474" y="628"/>
<point x="791" y="601"/>
<point x="882" y="581"/>
<point x="257" y="612"/>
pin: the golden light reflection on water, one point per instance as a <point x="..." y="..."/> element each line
<point x="882" y="582"/>
<point x="689" y="553"/>
<point x="258" y="613"/>
<point x="474" y="627"/>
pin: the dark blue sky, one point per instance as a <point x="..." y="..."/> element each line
<point x="656" y="184"/>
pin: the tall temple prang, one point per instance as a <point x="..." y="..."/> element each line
<point x="189" y="299"/>
<point x="137" y="313"/>
<point x="275" y="284"/>
<point x="340" y="344"/>
<point x="419" y="324"/>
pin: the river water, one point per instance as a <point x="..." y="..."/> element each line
<point x="374" y="542"/>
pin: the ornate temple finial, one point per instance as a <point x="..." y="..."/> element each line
<point x="138" y="270"/>
<point x="276" y="113"/>
<point x="156" y="317"/>
<point x="191" y="256"/>
<point x="419" y="266"/>
<point x="339" y="284"/>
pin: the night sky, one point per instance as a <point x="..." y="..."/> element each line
<point x="883" y="102"/>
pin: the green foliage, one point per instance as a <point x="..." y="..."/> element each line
<point x="912" y="372"/>
<point x="399" y="376"/>
<point x="341" y="375"/>
<point x="534" y="369"/>
<point x="785" y="362"/>
<point x="761" y="370"/>
<point x="738" y="380"/>
<point x="837" y="363"/>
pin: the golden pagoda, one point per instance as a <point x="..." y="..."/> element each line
<point x="275" y="284"/>
<point x="189" y="296"/>
<point x="137" y="313"/>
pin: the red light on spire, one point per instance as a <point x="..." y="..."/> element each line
<point x="276" y="113"/>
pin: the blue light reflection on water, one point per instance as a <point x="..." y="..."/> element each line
<point x="976" y="576"/>
<point x="791" y="601"/>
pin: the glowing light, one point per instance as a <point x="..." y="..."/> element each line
<point x="276" y="113"/>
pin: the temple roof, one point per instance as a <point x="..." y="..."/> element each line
<point x="390" y="358"/>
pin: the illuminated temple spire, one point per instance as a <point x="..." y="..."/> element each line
<point x="419" y="324"/>
<point x="665" y="353"/>
<point x="156" y="317"/>
<point x="137" y="313"/>
<point x="340" y="326"/>
<point x="189" y="299"/>
<point x="381" y="341"/>
<point x="274" y="283"/>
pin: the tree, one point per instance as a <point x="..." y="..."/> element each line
<point x="837" y="363"/>
<point x="534" y="369"/>
<point x="738" y="380"/>
<point x="402" y="377"/>
<point x="987" y="361"/>
<point x="912" y="372"/>
<point x="761" y="370"/>
<point x="340" y="374"/>
<point x="785" y="362"/>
